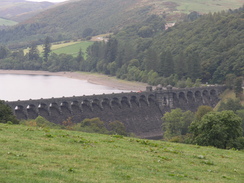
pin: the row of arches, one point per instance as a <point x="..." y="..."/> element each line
<point x="75" y="107"/>
<point x="195" y="97"/>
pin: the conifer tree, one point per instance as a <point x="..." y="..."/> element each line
<point x="46" y="48"/>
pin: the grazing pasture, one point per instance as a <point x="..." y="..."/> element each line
<point x="39" y="154"/>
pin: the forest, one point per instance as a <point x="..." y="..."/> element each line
<point x="203" y="48"/>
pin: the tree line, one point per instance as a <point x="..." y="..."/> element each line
<point x="223" y="128"/>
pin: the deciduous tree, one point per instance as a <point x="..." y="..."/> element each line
<point x="218" y="129"/>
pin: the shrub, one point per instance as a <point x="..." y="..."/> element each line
<point x="6" y="114"/>
<point x="117" y="127"/>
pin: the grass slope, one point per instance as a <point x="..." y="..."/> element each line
<point x="72" y="49"/>
<point x="227" y="94"/>
<point x="30" y="154"/>
<point x="7" y="22"/>
<point x="207" y="6"/>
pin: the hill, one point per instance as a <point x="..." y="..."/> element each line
<point x="31" y="154"/>
<point x="101" y="16"/>
<point x="207" y="47"/>
<point x="19" y="10"/>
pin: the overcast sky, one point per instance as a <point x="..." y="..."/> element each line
<point x="54" y="1"/>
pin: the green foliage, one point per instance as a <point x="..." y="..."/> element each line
<point x="6" y="114"/>
<point x="117" y="127"/>
<point x="230" y="104"/>
<point x="46" y="48"/>
<point x="218" y="129"/>
<point x="40" y="122"/>
<point x="201" y="111"/>
<point x="190" y="50"/>
<point x="238" y="87"/>
<point x="176" y="123"/>
<point x="240" y="113"/>
<point x="94" y="125"/>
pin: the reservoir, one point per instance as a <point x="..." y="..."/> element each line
<point x="15" y="87"/>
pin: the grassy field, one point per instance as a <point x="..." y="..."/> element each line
<point x="7" y="22"/>
<point x="31" y="154"/>
<point x="72" y="48"/>
<point x="207" y="6"/>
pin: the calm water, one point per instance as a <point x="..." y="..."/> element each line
<point x="24" y="87"/>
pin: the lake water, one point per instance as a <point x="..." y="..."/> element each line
<point x="24" y="87"/>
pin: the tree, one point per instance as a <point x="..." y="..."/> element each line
<point x="230" y="104"/>
<point x="3" y="52"/>
<point x="176" y="122"/>
<point x="87" y="32"/>
<point x="218" y="129"/>
<point x="117" y="127"/>
<point x="238" y="87"/>
<point x="229" y="80"/>
<point x="6" y="114"/>
<point x="33" y="52"/>
<point x="166" y="64"/>
<point x="201" y="111"/>
<point x="46" y="48"/>
<point x="240" y="113"/>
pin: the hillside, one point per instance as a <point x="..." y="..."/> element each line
<point x="35" y="154"/>
<point x="101" y="16"/>
<point x="19" y="10"/>
<point x="207" y="48"/>
<point x="5" y="22"/>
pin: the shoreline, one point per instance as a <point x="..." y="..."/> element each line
<point x="94" y="78"/>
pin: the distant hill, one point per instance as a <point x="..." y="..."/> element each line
<point x="19" y="10"/>
<point x="77" y="19"/>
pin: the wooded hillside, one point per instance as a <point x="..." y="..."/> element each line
<point x="82" y="18"/>
<point x="208" y="48"/>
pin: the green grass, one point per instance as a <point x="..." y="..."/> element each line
<point x="7" y="22"/>
<point x="72" y="49"/>
<point x="31" y="154"/>
<point x="207" y="6"/>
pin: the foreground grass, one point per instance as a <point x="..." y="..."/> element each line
<point x="30" y="154"/>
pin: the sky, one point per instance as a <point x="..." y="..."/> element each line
<point x="53" y="1"/>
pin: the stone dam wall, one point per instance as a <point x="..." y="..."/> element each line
<point x="141" y="112"/>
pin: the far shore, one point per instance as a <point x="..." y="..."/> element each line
<point x="95" y="78"/>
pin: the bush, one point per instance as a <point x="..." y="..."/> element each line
<point x="218" y="129"/>
<point x="6" y="114"/>
<point x="40" y="122"/>
<point x="94" y="125"/>
<point x="117" y="127"/>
